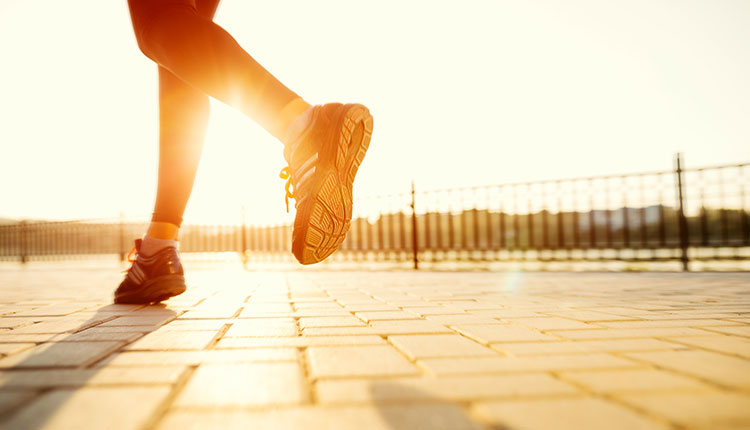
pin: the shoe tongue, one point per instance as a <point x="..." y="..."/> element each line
<point x="138" y="243"/>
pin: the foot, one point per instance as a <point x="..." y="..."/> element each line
<point x="151" y="279"/>
<point x="323" y="161"/>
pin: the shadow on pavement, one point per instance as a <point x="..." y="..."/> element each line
<point x="403" y="407"/>
<point x="37" y="383"/>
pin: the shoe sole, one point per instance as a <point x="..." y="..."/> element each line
<point x="329" y="209"/>
<point x="155" y="290"/>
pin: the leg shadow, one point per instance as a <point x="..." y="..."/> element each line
<point x="405" y="407"/>
<point x="35" y="384"/>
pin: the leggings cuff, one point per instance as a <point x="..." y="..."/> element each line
<point x="162" y="217"/>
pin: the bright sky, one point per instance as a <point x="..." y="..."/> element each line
<point x="463" y="93"/>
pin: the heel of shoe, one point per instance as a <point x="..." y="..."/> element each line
<point x="154" y="291"/>
<point x="359" y="123"/>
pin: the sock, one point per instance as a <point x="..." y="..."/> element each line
<point x="296" y="128"/>
<point x="289" y="115"/>
<point x="152" y="245"/>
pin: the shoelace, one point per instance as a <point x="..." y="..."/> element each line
<point x="132" y="256"/>
<point x="287" y="175"/>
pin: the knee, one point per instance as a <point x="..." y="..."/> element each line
<point x="155" y="20"/>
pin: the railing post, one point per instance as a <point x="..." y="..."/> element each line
<point x="244" y="239"/>
<point x="122" y="237"/>
<point x="414" y="235"/>
<point x="23" y="241"/>
<point x="683" y="227"/>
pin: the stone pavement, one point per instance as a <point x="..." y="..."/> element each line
<point x="377" y="350"/>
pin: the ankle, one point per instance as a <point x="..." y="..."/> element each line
<point x="151" y="245"/>
<point x="288" y="116"/>
<point x="162" y="230"/>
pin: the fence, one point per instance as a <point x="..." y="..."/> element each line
<point x="680" y="214"/>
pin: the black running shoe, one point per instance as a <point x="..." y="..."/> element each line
<point x="151" y="279"/>
<point x="323" y="161"/>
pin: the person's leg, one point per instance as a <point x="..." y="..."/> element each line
<point x="156" y="273"/>
<point x="183" y="116"/>
<point x="175" y="35"/>
<point x="324" y="145"/>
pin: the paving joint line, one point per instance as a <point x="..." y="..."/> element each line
<point x="612" y="399"/>
<point x="161" y="410"/>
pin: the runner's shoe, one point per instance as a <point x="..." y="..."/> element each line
<point x="323" y="161"/>
<point x="151" y="279"/>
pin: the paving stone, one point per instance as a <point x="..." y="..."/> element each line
<point x="624" y="333"/>
<point x="353" y="361"/>
<point x="186" y="340"/>
<point x="316" y="305"/>
<point x="719" y="368"/>
<point x="669" y="323"/>
<point x="465" y="388"/>
<point x="737" y="331"/>
<point x="56" y="309"/>
<point x="340" y="331"/>
<point x="408" y="327"/>
<point x="430" y="416"/>
<point x="246" y="384"/>
<point x="553" y="323"/>
<point x="100" y="376"/>
<point x="61" y="354"/>
<point x="61" y="325"/>
<point x="589" y="316"/>
<point x="160" y="310"/>
<point x="374" y="307"/>
<point x="584" y="346"/>
<point x="692" y="314"/>
<point x="691" y="409"/>
<point x="15" y="322"/>
<point x="170" y="358"/>
<point x="29" y="338"/>
<point x="90" y="408"/>
<point x="468" y="305"/>
<point x="301" y="341"/>
<point x="251" y="328"/>
<point x="506" y="313"/>
<point x="385" y="316"/>
<point x="438" y="345"/>
<point x="12" y="348"/>
<point x="633" y="380"/>
<point x="435" y="310"/>
<point x="119" y="308"/>
<point x="343" y="321"/>
<point x="644" y="313"/>
<point x="447" y="366"/>
<point x="461" y="319"/>
<point x="562" y="414"/>
<point x="631" y="355"/>
<point x="490" y="333"/>
<point x="321" y="313"/>
<point x="196" y="325"/>
<point x="727" y="344"/>
<point x="208" y="313"/>
<point x="410" y="303"/>
<point x="266" y="308"/>
<point x="11" y="400"/>
<point x="152" y="321"/>
<point x="100" y="334"/>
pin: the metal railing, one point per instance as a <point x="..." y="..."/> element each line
<point x="679" y="215"/>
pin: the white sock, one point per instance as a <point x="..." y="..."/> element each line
<point x="152" y="245"/>
<point x="299" y="125"/>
